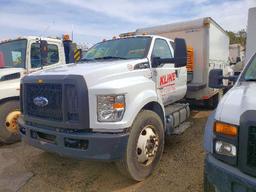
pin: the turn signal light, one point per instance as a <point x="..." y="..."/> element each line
<point x="118" y="105"/>
<point x="40" y="81"/>
<point x="225" y="129"/>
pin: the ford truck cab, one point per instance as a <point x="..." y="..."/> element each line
<point x="19" y="57"/>
<point x="230" y="135"/>
<point x="117" y="104"/>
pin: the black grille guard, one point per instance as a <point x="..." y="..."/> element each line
<point x="65" y="81"/>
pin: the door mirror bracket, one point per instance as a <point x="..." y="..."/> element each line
<point x="43" y="52"/>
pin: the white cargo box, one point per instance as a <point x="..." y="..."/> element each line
<point x="251" y="31"/>
<point x="211" y="50"/>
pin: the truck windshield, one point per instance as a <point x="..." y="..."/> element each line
<point x="250" y="71"/>
<point x="13" y="54"/>
<point x="126" y="48"/>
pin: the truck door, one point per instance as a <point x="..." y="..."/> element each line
<point x="54" y="56"/>
<point x="164" y="75"/>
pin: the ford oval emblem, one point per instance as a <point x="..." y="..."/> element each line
<point x="40" y="101"/>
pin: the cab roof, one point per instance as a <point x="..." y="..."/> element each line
<point x="147" y="35"/>
<point x="33" y="38"/>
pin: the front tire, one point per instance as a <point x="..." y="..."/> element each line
<point x="6" y="109"/>
<point x="145" y="146"/>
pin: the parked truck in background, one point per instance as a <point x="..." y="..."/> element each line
<point x="19" y="57"/>
<point x="209" y="49"/>
<point x="230" y="133"/>
<point x="236" y="53"/>
<point x="236" y="58"/>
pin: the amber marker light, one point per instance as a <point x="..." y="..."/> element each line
<point x="40" y="81"/>
<point x="225" y="129"/>
<point x="118" y="105"/>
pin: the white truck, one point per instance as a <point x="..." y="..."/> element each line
<point x="118" y="104"/>
<point x="19" y="57"/>
<point x="230" y="133"/>
<point x="210" y="50"/>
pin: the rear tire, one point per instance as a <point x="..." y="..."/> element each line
<point x="133" y="164"/>
<point x="6" y="108"/>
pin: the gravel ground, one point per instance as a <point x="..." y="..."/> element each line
<point x="181" y="168"/>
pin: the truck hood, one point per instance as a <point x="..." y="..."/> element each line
<point x="238" y="100"/>
<point x="95" y="72"/>
<point x="10" y="71"/>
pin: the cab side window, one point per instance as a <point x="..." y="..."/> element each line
<point x="53" y="54"/>
<point x="35" y="57"/>
<point x="161" y="49"/>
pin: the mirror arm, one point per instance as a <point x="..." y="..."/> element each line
<point x="169" y="60"/>
<point x="231" y="78"/>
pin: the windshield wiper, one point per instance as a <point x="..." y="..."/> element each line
<point x="86" y="59"/>
<point x="251" y="79"/>
<point x="109" y="57"/>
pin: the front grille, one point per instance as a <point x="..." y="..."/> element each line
<point x="60" y="102"/>
<point x="53" y="93"/>
<point x="72" y="102"/>
<point x="251" y="147"/>
<point x="21" y="98"/>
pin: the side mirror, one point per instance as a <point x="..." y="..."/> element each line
<point x="180" y="52"/>
<point x="43" y="52"/>
<point x="156" y="61"/>
<point x="215" y="78"/>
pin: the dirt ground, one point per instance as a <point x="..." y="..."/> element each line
<point x="24" y="168"/>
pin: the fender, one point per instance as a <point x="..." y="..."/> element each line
<point x="9" y="89"/>
<point x="9" y="99"/>
<point x="135" y="97"/>
<point x="208" y="133"/>
<point x="140" y="101"/>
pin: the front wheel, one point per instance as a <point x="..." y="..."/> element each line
<point x="145" y="146"/>
<point x="9" y="114"/>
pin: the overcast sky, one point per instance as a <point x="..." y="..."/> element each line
<point x="93" y="20"/>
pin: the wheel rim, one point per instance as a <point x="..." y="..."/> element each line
<point x="11" y="121"/>
<point x="147" y="145"/>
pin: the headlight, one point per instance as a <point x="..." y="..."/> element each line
<point x="110" y="107"/>
<point x="224" y="148"/>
